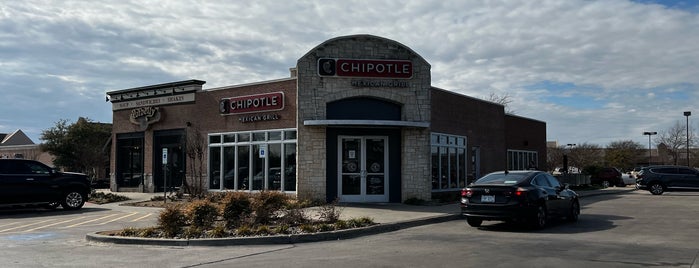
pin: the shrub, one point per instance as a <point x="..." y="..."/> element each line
<point x="341" y="224"/>
<point x="266" y="204"/>
<point x="103" y="198"/>
<point x="201" y="214"/>
<point x="330" y="212"/>
<point x="263" y="230"/>
<point x="282" y="229"/>
<point x="244" y="230"/>
<point x="324" y="227"/>
<point x="192" y="232"/>
<point x="294" y="216"/>
<point x="219" y="231"/>
<point x="307" y="228"/>
<point x="148" y="232"/>
<point x="235" y="207"/>
<point x="171" y="220"/>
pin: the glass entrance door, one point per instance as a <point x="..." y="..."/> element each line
<point x="363" y="170"/>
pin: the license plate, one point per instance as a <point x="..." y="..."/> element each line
<point x="487" y="199"/>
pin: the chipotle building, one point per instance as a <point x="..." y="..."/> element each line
<point x="357" y="120"/>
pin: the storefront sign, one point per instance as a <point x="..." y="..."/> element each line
<point x="257" y="118"/>
<point x="252" y="103"/>
<point x="380" y="83"/>
<point x="365" y="68"/>
<point x="144" y="116"/>
<point x="165" y="100"/>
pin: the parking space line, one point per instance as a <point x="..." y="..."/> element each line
<point x="22" y="226"/>
<point x="53" y="224"/>
<point x="85" y="222"/>
<point x="116" y="219"/>
<point x="140" y="218"/>
<point x="8" y="224"/>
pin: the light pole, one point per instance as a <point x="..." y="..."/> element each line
<point x="649" y="133"/>
<point x="571" y="145"/>
<point x="687" y="114"/>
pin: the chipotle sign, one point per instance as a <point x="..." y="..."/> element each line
<point x="252" y="103"/>
<point x="365" y="68"/>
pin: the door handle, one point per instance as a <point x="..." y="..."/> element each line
<point x="30" y="179"/>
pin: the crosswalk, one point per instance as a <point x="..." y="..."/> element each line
<point x="35" y="224"/>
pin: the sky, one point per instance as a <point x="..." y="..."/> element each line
<point x="595" y="71"/>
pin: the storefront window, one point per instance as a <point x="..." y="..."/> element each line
<point x="254" y="161"/>
<point x="243" y="168"/>
<point x="258" y="136"/>
<point x="289" y="179"/>
<point x="448" y="161"/>
<point x="522" y="160"/>
<point x="215" y="168"/>
<point x="228" y="138"/>
<point x="275" y="135"/>
<point x="129" y="160"/>
<point x="229" y="167"/>
<point x="274" y="167"/>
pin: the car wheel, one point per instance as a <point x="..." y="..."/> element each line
<point x="574" y="212"/>
<point x="539" y="218"/>
<point x="605" y="184"/>
<point x="656" y="189"/>
<point x="73" y="199"/>
<point x="474" y="222"/>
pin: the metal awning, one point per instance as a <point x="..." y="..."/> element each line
<point x="386" y="123"/>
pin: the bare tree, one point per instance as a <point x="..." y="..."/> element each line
<point x="623" y="154"/>
<point x="194" y="183"/>
<point x="554" y="157"/>
<point x="675" y="140"/>
<point x="504" y="100"/>
<point x="585" y="155"/>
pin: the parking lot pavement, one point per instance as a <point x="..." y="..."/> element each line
<point x="389" y="216"/>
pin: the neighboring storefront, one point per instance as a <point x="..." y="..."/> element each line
<point x="358" y="120"/>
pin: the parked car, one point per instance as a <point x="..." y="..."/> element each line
<point x="660" y="179"/>
<point x="527" y="196"/>
<point x="607" y="177"/>
<point x="28" y="182"/>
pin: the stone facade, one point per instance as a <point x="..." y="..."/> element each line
<point x="315" y="91"/>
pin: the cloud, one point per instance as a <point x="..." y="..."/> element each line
<point x="581" y="66"/>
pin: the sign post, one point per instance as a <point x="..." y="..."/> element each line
<point x="164" y="175"/>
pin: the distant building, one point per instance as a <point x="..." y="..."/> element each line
<point x="19" y="145"/>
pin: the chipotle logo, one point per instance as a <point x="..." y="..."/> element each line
<point x="252" y="103"/>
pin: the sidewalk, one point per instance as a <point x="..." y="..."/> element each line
<point x="389" y="216"/>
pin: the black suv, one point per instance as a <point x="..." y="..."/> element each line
<point x="659" y="179"/>
<point x="29" y="182"/>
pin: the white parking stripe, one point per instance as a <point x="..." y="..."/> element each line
<point x="140" y="218"/>
<point x="129" y="215"/>
<point x="53" y="224"/>
<point x="22" y="226"/>
<point x="93" y="220"/>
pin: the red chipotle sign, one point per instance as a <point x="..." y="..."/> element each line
<point x="252" y="103"/>
<point x="365" y="68"/>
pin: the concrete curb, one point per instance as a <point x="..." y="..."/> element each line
<point x="279" y="239"/>
<point x="305" y="238"/>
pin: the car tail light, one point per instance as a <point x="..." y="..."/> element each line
<point x="466" y="193"/>
<point x="521" y="192"/>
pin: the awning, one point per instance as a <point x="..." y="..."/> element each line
<point x="384" y="123"/>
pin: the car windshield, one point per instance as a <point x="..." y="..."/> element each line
<point x="502" y="178"/>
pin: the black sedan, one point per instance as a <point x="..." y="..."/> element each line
<point x="513" y="196"/>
